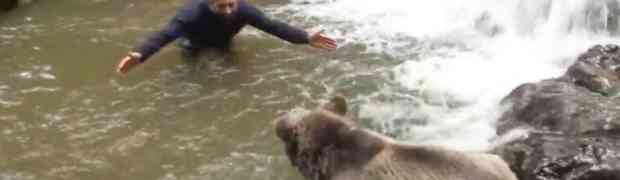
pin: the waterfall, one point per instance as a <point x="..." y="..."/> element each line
<point x="459" y="58"/>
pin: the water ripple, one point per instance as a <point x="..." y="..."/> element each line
<point x="40" y="89"/>
<point x="16" y="176"/>
<point x="124" y="146"/>
<point x="217" y="93"/>
<point x="239" y="165"/>
<point x="9" y="103"/>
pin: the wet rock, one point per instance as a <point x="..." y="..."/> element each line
<point x="6" y="5"/>
<point x="575" y="120"/>
<point x="598" y="70"/>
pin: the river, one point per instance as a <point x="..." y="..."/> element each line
<point x="420" y="71"/>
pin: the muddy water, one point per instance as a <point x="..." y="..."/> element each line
<point x="64" y="113"/>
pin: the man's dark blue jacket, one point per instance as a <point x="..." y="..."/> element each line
<point x="196" y="22"/>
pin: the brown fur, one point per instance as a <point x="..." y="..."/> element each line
<point x="325" y="145"/>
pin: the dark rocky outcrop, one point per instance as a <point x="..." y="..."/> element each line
<point x="575" y="122"/>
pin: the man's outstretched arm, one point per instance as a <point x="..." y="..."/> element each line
<point x="287" y="32"/>
<point x="155" y="42"/>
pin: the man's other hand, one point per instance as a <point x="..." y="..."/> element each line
<point x="128" y="63"/>
<point x="319" y="40"/>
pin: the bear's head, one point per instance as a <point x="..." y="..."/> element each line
<point x="326" y="118"/>
<point x="324" y="142"/>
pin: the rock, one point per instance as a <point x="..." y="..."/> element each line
<point x="598" y="70"/>
<point x="575" y="120"/>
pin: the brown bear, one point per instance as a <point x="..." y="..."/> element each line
<point x="326" y="145"/>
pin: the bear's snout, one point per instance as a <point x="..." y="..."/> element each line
<point x="285" y="127"/>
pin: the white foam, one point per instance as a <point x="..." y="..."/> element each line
<point x="470" y="52"/>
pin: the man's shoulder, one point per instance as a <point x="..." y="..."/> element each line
<point x="247" y="9"/>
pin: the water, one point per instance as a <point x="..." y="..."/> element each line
<point x="459" y="58"/>
<point x="421" y="71"/>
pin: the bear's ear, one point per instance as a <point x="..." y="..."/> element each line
<point x="337" y="105"/>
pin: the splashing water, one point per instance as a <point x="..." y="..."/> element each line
<point x="459" y="58"/>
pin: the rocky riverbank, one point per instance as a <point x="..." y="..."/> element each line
<point x="575" y="122"/>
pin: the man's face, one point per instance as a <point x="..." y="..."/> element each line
<point x="224" y="8"/>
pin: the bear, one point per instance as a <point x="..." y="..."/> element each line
<point x="325" y="144"/>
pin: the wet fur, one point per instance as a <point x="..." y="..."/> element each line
<point x="325" y="145"/>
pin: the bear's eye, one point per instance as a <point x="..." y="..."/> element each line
<point x="294" y="133"/>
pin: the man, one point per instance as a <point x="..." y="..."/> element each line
<point x="213" y="24"/>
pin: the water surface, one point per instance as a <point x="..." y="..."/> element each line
<point x="421" y="71"/>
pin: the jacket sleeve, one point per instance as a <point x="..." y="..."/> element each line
<point x="279" y="29"/>
<point x="175" y="29"/>
<point x="158" y="40"/>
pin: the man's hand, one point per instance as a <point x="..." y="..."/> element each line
<point x="128" y="62"/>
<point x="318" y="40"/>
